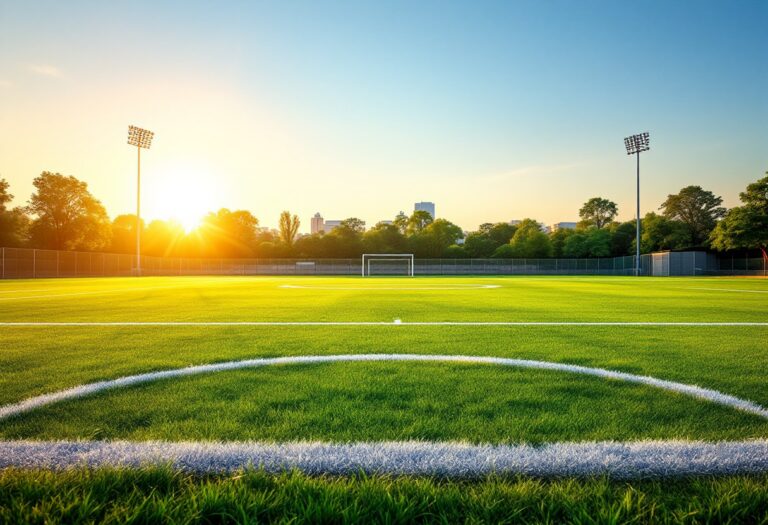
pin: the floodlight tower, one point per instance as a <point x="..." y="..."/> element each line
<point x="636" y="144"/>
<point x="141" y="138"/>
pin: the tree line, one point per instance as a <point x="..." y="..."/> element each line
<point x="62" y="214"/>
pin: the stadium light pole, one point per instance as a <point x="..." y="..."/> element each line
<point x="636" y="144"/>
<point x="141" y="138"/>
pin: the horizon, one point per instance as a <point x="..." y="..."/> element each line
<point x="496" y="113"/>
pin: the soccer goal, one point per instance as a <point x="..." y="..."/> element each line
<point x="387" y="264"/>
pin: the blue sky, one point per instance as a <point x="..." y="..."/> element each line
<point x="494" y="110"/>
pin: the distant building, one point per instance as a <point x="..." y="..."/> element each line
<point x="514" y="222"/>
<point x="563" y="226"/>
<point x="318" y="224"/>
<point x="387" y="221"/>
<point x="330" y="225"/>
<point x="425" y="206"/>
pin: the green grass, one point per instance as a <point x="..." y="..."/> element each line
<point x="357" y="401"/>
<point x="381" y="401"/>
<point x="163" y="496"/>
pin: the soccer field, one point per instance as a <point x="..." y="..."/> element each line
<point x="575" y="357"/>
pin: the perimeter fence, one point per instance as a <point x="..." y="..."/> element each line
<point x="25" y="263"/>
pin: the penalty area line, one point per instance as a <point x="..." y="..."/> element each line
<point x="628" y="460"/>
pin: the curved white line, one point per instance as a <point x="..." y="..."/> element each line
<point x="632" y="460"/>
<point x="91" y="388"/>
<point x="368" y="288"/>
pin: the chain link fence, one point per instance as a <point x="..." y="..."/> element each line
<point x="24" y="263"/>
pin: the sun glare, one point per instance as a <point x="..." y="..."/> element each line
<point x="182" y="194"/>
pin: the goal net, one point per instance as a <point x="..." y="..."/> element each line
<point x="387" y="264"/>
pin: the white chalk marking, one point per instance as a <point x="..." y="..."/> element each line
<point x="706" y="394"/>
<point x="729" y="290"/>
<point x="631" y="460"/>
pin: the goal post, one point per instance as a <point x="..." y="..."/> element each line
<point x="368" y="258"/>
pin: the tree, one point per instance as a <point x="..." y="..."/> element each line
<point x="418" y="221"/>
<point x="437" y="237"/>
<point x="67" y="216"/>
<point x="13" y="223"/>
<point x="661" y="233"/>
<point x="745" y="227"/>
<point x="354" y="224"/>
<point x="697" y="208"/>
<point x="455" y="251"/>
<point x="479" y="245"/>
<point x="598" y="212"/>
<point x="384" y="238"/>
<point x="228" y="233"/>
<point x="623" y="234"/>
<point x="288" y="227"/>
<point x="401" y="222"/>
<point x="124" y="234"/>
<point x="529" y="241"/>
<point x="558" y="239"/>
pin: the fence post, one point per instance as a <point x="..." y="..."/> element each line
<point x="57" y="263"/>
<point x="3" y="262"/>
<point x="34" y="264"/>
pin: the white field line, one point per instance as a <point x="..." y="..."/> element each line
<point x="631" y="460"/>
<point x="706" y="394"/>
<point x="456" y="286"/>
<point x="729" y="290"/>
<point x="371" y="323"/>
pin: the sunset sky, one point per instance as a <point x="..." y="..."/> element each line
<point x="493" y="110"/>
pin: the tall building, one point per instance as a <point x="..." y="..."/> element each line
<point x="318" y="224"/>
<point x="563" y="226"/>
<point x="425" y="206"/>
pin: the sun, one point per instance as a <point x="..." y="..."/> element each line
<point x="183" y="194"/>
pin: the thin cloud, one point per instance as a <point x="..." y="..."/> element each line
<point x="533" y="171"/>
<point x="44" y="70"/>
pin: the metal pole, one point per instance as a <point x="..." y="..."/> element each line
<point x="637" y="241"/>
<point x="4" y="263"/>
<point x="138" y="212"/>
<point x="34" y="263"/>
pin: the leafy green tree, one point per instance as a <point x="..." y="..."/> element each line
<point x="505" y="251"/>
<point x="530" y="242"/>
<point x="14" y="223"/>
<point x="437" y="237"/>
<point x="401" y="222"/>
<point x="623" y="234"/>
<point x="66" y="215"/>
<point x="289" y="227"/>
<point x="697" y="208"/>
<point x="598" y="212"/>
<point x="419" y="220"/>
<point x="598" y="242"/>
<point x="479" y="245"/>
<point x="558" y="239"/>
<point x="384" y="238"/>
<point x="353" y="223"/>
<point x="745" y="227"/>
<point x="575" y="245"/>
<point x="660" y="233"/>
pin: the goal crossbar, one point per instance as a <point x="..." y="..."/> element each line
<point x="369" y="257"/>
